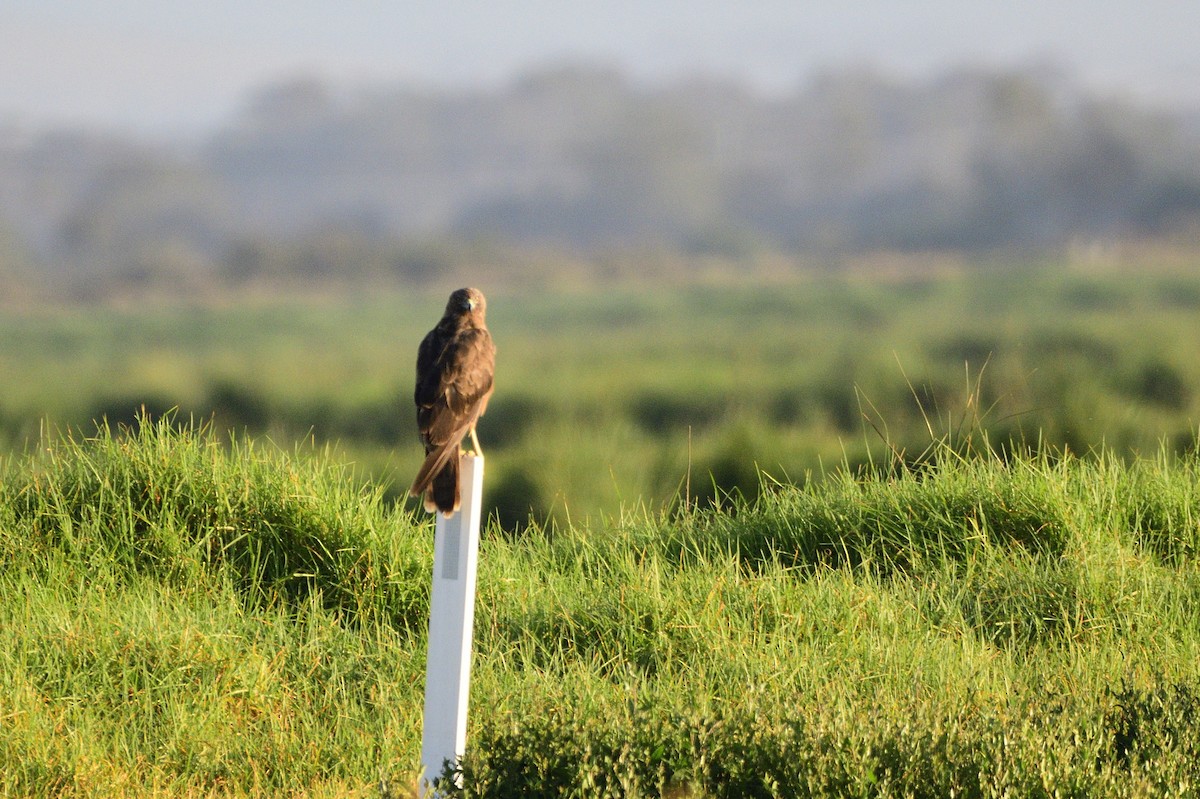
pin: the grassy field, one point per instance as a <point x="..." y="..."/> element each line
<point x="828" y="536"/>
<point x="607" y="398"/>
<point x="204" y="620"/>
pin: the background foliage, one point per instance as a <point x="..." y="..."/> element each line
<point x="320" y="183"/>
<point x="653" y="391"/>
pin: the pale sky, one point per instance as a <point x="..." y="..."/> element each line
<point x="163" y="66"/>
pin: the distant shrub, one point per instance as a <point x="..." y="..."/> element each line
<point x="386" y="420"/>
<point x="1159" y="383"/>
<point x="236" y="406"/>
<point x="509" y="416"/>
<point x="1177" y="293"/>
<point x="659" y="413"/>
<point x="130" y="411"/>
<point x="514" y="498"/>
<point x="837" y="398"/>
<point x="1044" y="345"/>
<point x="1092" y="295"/>
<point x="788" y="406"/>
<point x="971" y="348"/>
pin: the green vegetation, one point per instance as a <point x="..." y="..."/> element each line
<point x="827" y="536"/>
<point x="206" y="618"/>
<point x="649" y="392"/>
<point x="169" y="596"/>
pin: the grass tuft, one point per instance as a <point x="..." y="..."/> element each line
<point x="173" y="502"/>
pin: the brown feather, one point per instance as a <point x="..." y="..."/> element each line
<point x="444" y="491"/>
<point x="455" y="365"/>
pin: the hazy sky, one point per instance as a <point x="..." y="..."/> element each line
<point x="170" y="65"/>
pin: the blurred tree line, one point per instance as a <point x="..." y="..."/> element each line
<point x="313" y="182"/>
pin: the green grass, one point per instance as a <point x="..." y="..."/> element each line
<point x="194" y="615"/>
<point x="190" y="616"/>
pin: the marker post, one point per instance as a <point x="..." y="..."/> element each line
<point x="451" y="619"/>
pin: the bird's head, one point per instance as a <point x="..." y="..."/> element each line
<point x="466" y="302"/>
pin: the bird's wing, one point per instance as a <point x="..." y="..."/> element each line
<point x="429" y="377"/>
<point x="453" y="388"/>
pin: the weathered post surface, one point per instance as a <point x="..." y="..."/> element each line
<point x="451" y="619"/>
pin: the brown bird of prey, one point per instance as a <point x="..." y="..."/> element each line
<point x="455" y="366"/>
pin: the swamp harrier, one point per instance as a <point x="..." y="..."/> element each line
<point x="454" y="381"/>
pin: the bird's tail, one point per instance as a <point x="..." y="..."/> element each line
<point x="437" y="479"/>
<point x="443" y="492"/>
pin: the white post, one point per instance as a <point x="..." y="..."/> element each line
<point x="451" y="618"/>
